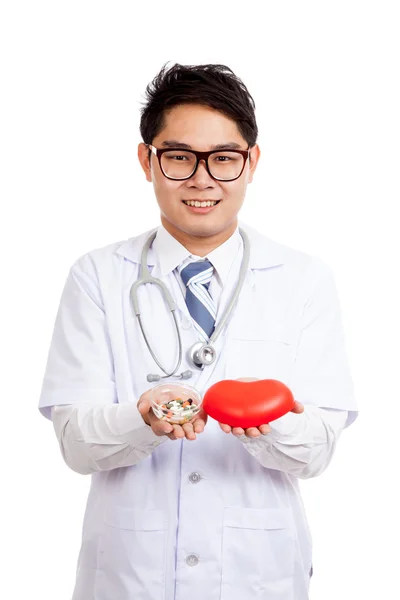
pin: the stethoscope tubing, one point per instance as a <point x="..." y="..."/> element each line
<point x="146" y="277"/>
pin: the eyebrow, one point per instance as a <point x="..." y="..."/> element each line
<point x="176" y="144"/>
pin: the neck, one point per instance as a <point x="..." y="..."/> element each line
<point x="197" y="244"/>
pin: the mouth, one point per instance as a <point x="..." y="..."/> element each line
<point x="201" y="207"/>
<point x="201" y="203"/>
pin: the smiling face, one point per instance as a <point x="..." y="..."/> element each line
<point x="199" y="128"/>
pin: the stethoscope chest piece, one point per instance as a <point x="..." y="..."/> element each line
<point x="202" y="354"/>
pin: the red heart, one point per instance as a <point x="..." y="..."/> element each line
<point x="247" y="403"/>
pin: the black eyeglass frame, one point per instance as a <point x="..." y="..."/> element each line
<point x="158" y="152"/>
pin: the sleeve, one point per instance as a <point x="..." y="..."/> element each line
<point x="100" y="438"/>
<point x="321" y="373"/>
<point x="79" y="391"/>
<point x="303" y="444"/>
<point x="80" y="362"/>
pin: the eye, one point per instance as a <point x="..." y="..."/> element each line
<point x="177" y="156"/>
<point x="225" y="157"/>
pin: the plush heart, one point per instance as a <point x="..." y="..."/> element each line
<point x="247" y="403"/>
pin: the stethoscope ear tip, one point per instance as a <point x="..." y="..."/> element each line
<point x="151" y="378"/>
<point x="186" y="374"/>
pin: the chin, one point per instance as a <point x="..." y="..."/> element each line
<point x="207" y="229"/>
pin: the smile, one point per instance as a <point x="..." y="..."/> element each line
<point x="199" y="204"/>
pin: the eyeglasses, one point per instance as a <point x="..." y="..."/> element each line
<point x="222" y="165"/>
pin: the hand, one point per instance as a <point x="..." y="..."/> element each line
<point x="254" y="432"/>
<point x="173" y="432"/>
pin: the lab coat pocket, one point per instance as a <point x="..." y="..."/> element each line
<point x="260" y="357"/>
<point x="258" y="552"/>
<point x="132" y="554"/>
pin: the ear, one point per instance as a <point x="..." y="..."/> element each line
<point x="143" y="156"/>
<point x="255" y="154"/>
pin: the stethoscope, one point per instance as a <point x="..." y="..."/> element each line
<point x="201" y="353"/>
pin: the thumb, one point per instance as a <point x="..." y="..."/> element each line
<point x="298" y="408"/>
<point x="143" y="406"/>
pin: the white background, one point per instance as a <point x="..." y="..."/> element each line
<point x="325" y="78"/>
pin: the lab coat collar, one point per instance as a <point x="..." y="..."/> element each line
<point x="264" y="252"/>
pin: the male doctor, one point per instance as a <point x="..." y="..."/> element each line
<point x="197" y="511"/>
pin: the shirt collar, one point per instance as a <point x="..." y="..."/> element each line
<point x="264" y="252"/>
<point x="171" y="253"/>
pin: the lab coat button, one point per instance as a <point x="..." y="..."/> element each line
<point x="192" y="560"/>
<point x="186" y="323"/>
<point x="194" y="477"/>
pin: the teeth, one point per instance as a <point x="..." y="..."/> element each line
<point x="198" y="204"/>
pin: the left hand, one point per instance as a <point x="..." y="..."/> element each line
<point x="253" y="432"/>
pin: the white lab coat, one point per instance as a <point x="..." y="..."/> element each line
<point x="219" y="518"/>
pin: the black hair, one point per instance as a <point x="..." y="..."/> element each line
<point x="210" y="85"/>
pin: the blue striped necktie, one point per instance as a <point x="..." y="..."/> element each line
<point x="197" y="276"/>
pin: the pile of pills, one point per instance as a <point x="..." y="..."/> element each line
<point x="184" y="410"/>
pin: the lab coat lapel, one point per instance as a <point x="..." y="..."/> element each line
<point x="239" y="318"/>
<point x="246" y="316"/>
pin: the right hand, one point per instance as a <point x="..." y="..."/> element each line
<point x="173" y="432"/>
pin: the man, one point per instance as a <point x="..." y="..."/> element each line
<point x="199" y="511"/>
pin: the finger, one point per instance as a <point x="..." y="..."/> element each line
<point x="264" y="429"/>
<point x="198" y="425"/>
<point x="189" y="431"/>
<point x="298" y="408"/>
<point x="178" y="432"/>
<point x="173" y="436"/>
<point x="162" y="428"/>
<point x="159" y="426"/>
<point x="225" y="428"/>
<point x="252" y="432"/>
<point x="144" y="408"/>
<point x="238" y="431"/>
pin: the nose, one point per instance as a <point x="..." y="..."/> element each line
<point x="201" y="177"/>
